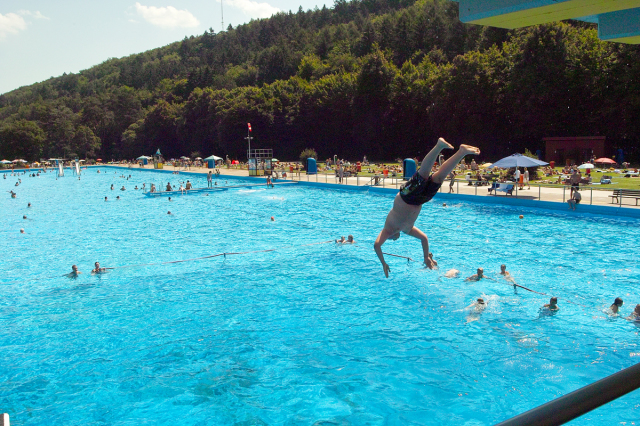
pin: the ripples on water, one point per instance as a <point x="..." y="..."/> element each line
<point x="306" y="334"/>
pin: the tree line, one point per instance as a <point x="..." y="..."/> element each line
<point x="382" y="78"/>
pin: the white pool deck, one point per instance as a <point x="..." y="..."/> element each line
<point x="591" y="195"/>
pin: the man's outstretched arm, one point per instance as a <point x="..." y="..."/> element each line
<point x="384" y="236"/>
<point x="428" y="260"/>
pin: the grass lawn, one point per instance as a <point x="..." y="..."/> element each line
<point x="618" y="181"/>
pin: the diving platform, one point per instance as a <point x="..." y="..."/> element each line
<point x="617" y="19"/>
<point x="197" y="191"/>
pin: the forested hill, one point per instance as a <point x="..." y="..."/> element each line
<point x="382" y="78"/>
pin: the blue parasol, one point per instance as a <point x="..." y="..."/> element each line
<point x="517" y="160"/>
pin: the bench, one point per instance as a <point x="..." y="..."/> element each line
<point x="507" y="188"/>
<point x="619" y="194"/>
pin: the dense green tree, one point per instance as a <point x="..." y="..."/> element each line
<point x="22" y="139"/>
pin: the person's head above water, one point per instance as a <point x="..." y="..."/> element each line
<point x="618" y="302"/>
<point x="480" y="272"/>
<point x="553" y="301"/>
<point x="350" y="238"/>
<point x="503" y="268"/>
<point x="481" y="301"/>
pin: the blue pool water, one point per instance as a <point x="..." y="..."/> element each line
<point x="306" y="334"/>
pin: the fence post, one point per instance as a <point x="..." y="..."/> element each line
<point x="457" y="187"/>
<point x="476" y="189"/>
<point x="563" y="190"/>
<point x="591" y="199"/>
<point x="539" y="192"/>
<point x="357" y="180"/>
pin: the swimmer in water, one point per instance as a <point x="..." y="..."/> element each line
<point x="341" y="240"/>
<point x="97" y="269"/>
<point x="477" y="276"/>
<point x="13" y="194"/>
<point x="350" y="240"/>
<point x="475" y="310"/>
<point x="29" y="205"/>
<point x="617" y="304"/>
<point x="452" y="273"/>
<point x="507" y="276"/>
<point x="105" y="198"/>
<point x="552" y="305"/>
<point x="420" y="189"/>
<point x="635" y="315"/>
<point x="74" y="272"/>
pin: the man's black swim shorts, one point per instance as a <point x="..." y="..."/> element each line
<point x="419" y="190"/>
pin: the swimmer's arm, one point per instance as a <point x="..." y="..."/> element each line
<point x="384" y="236"/>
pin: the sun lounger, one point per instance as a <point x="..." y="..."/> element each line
<point x="502" y="187"/>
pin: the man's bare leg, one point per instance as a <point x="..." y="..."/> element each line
<point x="451" y="163"/>
<point x="432" y="156"/>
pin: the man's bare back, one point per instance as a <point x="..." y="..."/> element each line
<point x="408" y="203"/>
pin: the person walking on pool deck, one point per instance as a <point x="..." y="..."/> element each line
<point x="418" y="190"/>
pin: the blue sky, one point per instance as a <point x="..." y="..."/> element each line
<point x="41" y="39"/>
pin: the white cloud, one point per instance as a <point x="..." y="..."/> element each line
<point x="253" y="9"/>
<point x="167" y="17"/>
<point x="11" y="23"/>
<point x="36" y="14"/>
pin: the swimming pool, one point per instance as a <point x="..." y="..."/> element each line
<point x="306" y="334"/>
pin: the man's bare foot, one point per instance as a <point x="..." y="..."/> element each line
<point x="442" y="144"/>
<point x="468" y="149"/>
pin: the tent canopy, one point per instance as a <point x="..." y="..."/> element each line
<point x="213" y="157"/>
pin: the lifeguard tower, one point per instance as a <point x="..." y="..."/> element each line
<point x="260" y="161"/>
<point x="158" y="161"/>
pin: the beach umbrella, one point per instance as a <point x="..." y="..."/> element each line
<point x="586" y="166"/>
<point x="198" y="158"/>
<point x="485" y="165"/>
<point x="604" y="160"/>
<point x="19" y="160"/>
<point x="517" y="160"/>
<point x="143" y="157"/>
<point x="213" y="157"/>
<point x="184" y="158"/>
<point x="5" y="162"/>
<point x="98" y="159"/>
<point x="275" y="160"/>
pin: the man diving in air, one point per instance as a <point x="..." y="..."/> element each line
<point x="418" y="190"/>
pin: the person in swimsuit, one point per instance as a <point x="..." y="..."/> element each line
<point x="98" y="269"/>
<point x="552" y="305"/>
<point x="617" y="304"/>
<point x="418" y="190"/>
<point x="74" y="272"/>
<point x="635" y="315"/>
